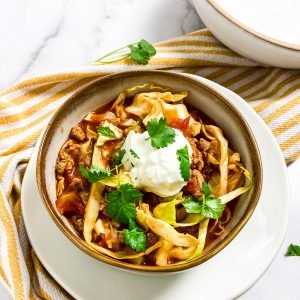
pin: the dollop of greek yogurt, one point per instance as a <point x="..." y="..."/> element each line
<point x="151" y="169"/>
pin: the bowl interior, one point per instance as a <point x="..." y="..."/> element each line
<point x="224" y="114"/>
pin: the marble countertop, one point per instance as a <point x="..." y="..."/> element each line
<point x="49" y="35"/>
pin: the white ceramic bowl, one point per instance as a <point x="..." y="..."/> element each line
<point x="248" y="41"/>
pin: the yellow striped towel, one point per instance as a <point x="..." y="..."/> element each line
<point x="26" y="108"/>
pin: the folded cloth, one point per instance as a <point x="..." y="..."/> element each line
<point x="26" y="108"/>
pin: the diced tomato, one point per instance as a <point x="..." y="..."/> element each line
<point x="70" y="202"/>
<point x="180" y="124"/>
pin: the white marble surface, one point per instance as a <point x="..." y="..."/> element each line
<point x="40" y="36"/>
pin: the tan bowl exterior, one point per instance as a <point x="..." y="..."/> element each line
<point x="106" y="89"/>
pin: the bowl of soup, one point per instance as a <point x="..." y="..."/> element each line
<point x="149" y="171"/>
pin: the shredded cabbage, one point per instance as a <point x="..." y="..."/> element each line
<point x="168" y="251"/>
<point x="201" y="239"/>
<point x="162" y="254"/>
<point x="134" y="90"/>
<point x="124" y="254"/>
<point x="165" y="230"/>
<point x="155" y="105"/>
<point x="103" y="139"/>
<point x="92" y="210"/>
<point x="115" y="181"/>
<point x="166" y="212"/>
<point x="217" y="133"/>
<point x="239" y="191"/>
<point x="95" y="197"/>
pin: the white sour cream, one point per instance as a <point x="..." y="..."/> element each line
<point x="156" y="170"/>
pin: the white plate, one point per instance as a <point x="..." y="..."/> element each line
<point x="262" y="30"/>
<point x="225" y="276"/>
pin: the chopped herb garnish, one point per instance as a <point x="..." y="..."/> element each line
<point x="161" y="134"/>
<point x="140" y="52"/>
<point x="213" y="208"/>
<point x="192" y="205"/>
<point x="184" y="162"/>
<point x="105" y="131"/>
<point x="120" y="203"/>
<point x="94" y="174"/>
<point x="117" y="157"/>
<point x="209" y="207"/>
<point x="293" y="250"/>
<point x="134" y="154"/>
<point x="135" y="237"/>
<point x="206" y="189"/>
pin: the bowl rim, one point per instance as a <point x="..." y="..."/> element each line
<point x="80" y="243"/>
<point x="253" y="32"/>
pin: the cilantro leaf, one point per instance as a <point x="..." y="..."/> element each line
<point x="293" y="250"/>
<point x="213" y="208"/>
<point x="129" y="193"/>
<point x="105" y="131"/>
<point x="139" y="56"/>
<point x="119" y="209"/>
<point x="134" y="154"/>
<point x="192" y="205"/>
<point x="184" y="162"/>
<point x="209" y="207"/>
<point x="120" y="203"/>
<point x="146" y="46"/>
<point x="94" y="174"/>
<point x="141" y="52"/>
<point x="161" y="134"/>
<point x="117" y="157"/>
<point x="135" y="237"/>
<point x="206" y="189"/>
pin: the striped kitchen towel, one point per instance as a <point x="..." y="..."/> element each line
<point x="26" y="108"/>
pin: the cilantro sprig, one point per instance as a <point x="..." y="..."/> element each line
<point x="105" y="131"/>
<point x="135" y="237"/>
<point x="117" y="157"/>
<point x="160" y="133"/>
<point x="209" y="207"/>
<point x="184" y="162"/>
<point x="293" y="250"/>
<point x="94" y="174"/>
<point x="140" y="52"/>
<point x="120" y="206"/>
